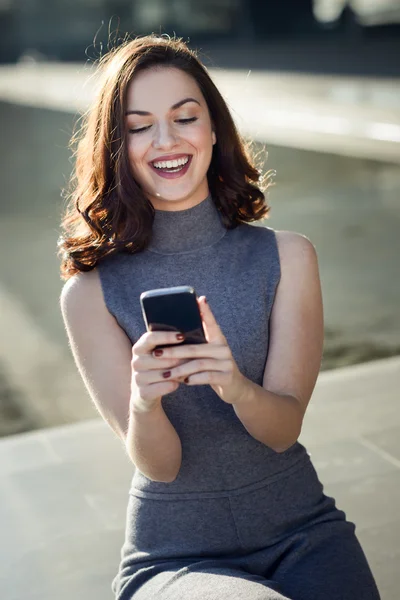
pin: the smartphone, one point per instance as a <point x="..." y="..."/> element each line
<point x="173" y="309"/>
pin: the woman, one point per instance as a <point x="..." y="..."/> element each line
<point x="225" y="502"/>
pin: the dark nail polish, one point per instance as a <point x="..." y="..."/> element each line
<point x="158" y="352"/>
<point x="186" y="380"/>
<point x="180" y="336"/>
<point x="166" y="374"/>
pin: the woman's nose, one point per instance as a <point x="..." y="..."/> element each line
<point x="164" y="137"/>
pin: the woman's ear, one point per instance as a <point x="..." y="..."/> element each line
<point x="213" y="137"/>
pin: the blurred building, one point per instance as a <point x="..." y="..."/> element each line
<point x="56" y="29"/>
<point x="66" y="29"/>
<point x="365" y="13"/>
<point x="73" y="30"/>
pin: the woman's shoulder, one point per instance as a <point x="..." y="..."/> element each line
<point x="288" y="244"/>
<point x="283" y="238"/>
<point x="292" y="242"/>
<point x="80" y="289"/>
<point x="290" y="248"/>
<point x="297" y="254"/>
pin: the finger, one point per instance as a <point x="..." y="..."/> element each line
<point x="146" y="362"/>
<point x="197" y="366"/>
<point x="209" y="377"/>
<point x="211" y="328"/>
<point x="153" y="376"/>
<point x="190" y="351"/>
<point x="151" y="339"/>
<point x="146" y="378"/>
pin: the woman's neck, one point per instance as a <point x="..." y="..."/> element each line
<point x="181" y="231"/>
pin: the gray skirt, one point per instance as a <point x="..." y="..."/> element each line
<point x="281" y="538"/>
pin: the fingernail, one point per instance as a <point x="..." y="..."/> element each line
<point x="166" y="374"/>
<point x="205" y="300"/>
<point x="180" y="336"/>
<point x="158" y="352"/>
<point x="186" y="380"/>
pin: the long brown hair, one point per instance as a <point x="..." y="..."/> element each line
<point x="107" y="211"/>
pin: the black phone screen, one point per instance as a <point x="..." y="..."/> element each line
<point x="168" y="310"/>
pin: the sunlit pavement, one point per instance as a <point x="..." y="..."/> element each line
<point x="61" y="516"/>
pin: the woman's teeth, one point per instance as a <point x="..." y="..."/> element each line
<point x="176" y="164"/>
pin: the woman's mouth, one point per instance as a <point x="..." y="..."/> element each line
<point x="172" y="168"/>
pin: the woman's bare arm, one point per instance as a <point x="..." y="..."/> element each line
<point x="273" y="413"/>
<point x="103" y="353"/>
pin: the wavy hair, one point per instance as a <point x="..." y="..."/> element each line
<point x="107" y="211"/>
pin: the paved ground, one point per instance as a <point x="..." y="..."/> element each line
<point x="64" y="490"/>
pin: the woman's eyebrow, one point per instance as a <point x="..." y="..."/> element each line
<point x="144" y="113"/>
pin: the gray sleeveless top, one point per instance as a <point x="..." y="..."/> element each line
<point x="238" y="271"/>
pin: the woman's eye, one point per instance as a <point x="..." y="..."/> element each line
<point x="140" y="129"/>
<point x="183" y="121"/>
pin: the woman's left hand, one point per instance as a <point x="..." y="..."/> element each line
<point x="210" y="363"/>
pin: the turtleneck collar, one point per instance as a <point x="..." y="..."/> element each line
<point x="181" y="231"/>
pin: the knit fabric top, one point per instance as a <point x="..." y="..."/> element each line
<point x="238" y="270"/>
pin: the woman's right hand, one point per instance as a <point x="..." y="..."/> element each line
<point x="148" y="384"/>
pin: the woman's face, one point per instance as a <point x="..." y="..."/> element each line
<point x="170" y="137"/>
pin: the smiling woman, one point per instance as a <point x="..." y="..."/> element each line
<point x="171" y="140"/>
<point x="224" y="501"/>
<point x="172" y="163"/>
<point x="156" y="104"/>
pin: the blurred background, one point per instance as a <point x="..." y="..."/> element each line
<point x="316" y="85"/>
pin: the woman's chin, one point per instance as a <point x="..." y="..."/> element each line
<point x="169" y="195"/>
